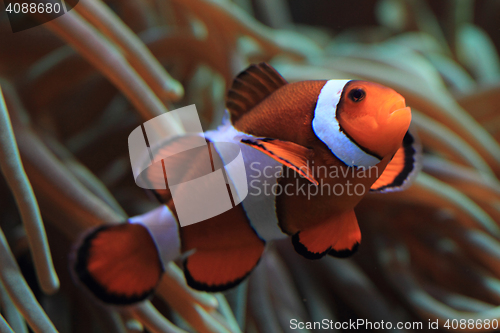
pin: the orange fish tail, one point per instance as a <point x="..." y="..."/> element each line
<point x="119" y="264"/>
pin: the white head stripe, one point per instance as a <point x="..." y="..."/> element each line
<point x="327" y="128"/>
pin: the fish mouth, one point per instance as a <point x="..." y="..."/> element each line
<point x="399" y="117"/>
<point x="393" y="126"/>
<point x="398" y="105"/>
<point x="397" y="111"/>
<point x="404" y="111"/>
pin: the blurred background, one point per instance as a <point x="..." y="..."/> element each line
<point x="76" y="86"/>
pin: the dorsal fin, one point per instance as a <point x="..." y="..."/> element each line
<point x="252" y="86"/>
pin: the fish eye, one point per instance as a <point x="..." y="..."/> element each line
<point x="357" y="95"/>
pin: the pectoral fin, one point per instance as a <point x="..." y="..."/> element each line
<point x="402" y="169"/>
<point x="290" y="154"/>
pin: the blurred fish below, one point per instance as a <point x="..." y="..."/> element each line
<point x="75" y="87"/>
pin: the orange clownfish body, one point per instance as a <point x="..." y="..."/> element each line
<point x="323" y="144"/>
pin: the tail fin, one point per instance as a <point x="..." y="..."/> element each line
<point x="119" y="264"/>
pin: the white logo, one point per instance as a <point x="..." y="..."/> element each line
<point x="203" y="179"/>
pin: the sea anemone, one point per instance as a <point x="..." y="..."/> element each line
<point x="76" y="86"/>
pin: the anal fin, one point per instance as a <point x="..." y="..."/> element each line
<point x="340" y="237"/>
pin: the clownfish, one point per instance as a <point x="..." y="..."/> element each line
<point x="346" y="125"/>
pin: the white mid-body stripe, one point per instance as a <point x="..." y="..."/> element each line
<point x="163" y="228"/>
<point x="261" y="172"/>
<point x="327" y="128"/>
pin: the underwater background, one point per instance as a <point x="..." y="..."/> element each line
<point x="76" y="86"/>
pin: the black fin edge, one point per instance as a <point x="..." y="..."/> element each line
<point x="303" y="251"/>
<point x="410" y="164"/>
<point x="344" y="253"/>
<point x="212" y="288"/>
<point x="156" y="195"/>
<point x="83" y="275"/>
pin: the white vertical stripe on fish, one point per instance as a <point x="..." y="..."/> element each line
<point x="327" y="127"/>
<point x="259" y="205"/>
<point x="163" y="228"/>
